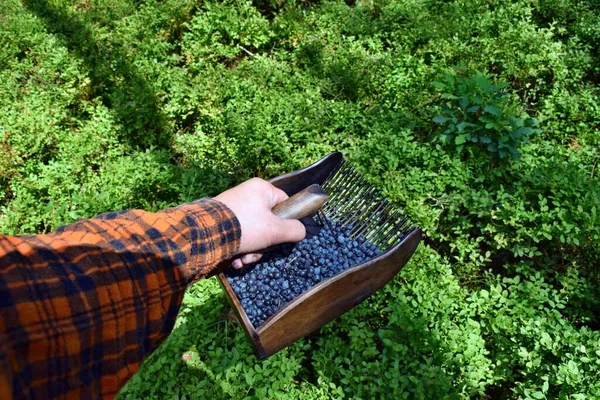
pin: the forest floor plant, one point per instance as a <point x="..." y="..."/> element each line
<point x="479" y="118"/>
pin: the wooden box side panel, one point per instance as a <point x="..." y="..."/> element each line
<point x="330" y="299"/>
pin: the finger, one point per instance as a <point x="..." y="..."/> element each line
<point x="237" y="263"/>
<point x="278" y="196"/>
<point x="251" y="258"/>
<point x="290" y="230"/>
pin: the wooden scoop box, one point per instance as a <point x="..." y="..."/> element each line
<point x="331" y="298"/>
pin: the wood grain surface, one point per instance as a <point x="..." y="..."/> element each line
<point x="303" y="204"/>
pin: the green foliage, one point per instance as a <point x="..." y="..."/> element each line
<point x="106" y="105"/>
<point x="481" y="113"/>
<point x="222" y="31"/>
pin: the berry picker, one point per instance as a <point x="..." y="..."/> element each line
<point x="356" y="242"/>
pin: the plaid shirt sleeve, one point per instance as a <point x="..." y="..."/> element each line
<point x="81" y="308"/>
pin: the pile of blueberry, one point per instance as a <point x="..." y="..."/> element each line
<point x="287" y="270"/>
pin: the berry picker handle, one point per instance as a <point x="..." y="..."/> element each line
<point x="304" y="203"/>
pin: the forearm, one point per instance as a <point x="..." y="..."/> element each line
<point x="81" y="308"/>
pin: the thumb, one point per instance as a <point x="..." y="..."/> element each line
<point x="289" y="230"/>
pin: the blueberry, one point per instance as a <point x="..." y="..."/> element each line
<point x="288" y="270"/>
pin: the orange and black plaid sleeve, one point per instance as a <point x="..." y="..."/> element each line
<point x="81" y="308"/>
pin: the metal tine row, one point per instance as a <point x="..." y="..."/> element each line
<point x="353" y="214"/>
<point x="334" y="180"/>
<point x="342" y="189"/>
<point x="389" y="234"/>
<point x="356" y="215"/>
<point x="393" y="240"/>
<point x="354" y="202"/>
<point x="380" y="212"/>
<point x="364" y="202"/>
<point x="402" y="228"/>
<point x="348" y="195"/>
<point x="343" y="177"/>
<point x="378" y="233"/>
<point x="348" y="184"/>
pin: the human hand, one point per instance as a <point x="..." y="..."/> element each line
<point x="251" y="202"/>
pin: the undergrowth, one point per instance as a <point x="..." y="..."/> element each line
<point x="108" y="105"/>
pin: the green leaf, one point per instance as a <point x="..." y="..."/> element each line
<point x="439" y="85"/>
<point x="461" y="126"/>
<point x="460" y="139"/>
<point x="483" y="83"/>
<point x="522" y="131"/>
<point x="440" y="120"/>
<point x="493" y="110"/>
<point x="516" y="122"/>
<point x="545" y="387"/>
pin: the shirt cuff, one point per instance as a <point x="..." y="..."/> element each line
<point x="214" y="236"/>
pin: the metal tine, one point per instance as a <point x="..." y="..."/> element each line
<point x="353" y="187"/>
<point x="329" y="225"/>
<point x="401" y="228"/>
<point x="360" y="218"/>
<point x="396" y="233"/>
<point x="339" y="179"/>
<point x="382" y="230"/>
<point x="339" y="191"/>
<point x="366" y="197"/>
<point x="352" y="204"/>
<point x="357" y="189"/>
<point x="356" y="203"/>
<point x="336" y="206"/>
<point x="377" y="233"/>
<point x="374" y="234"/>
<point x="320" y="219"/>
<point x="372" y="216"/>
<point x="380" y="215"/>
<point x="348" y="178"/>
<point x="381" y="233"/>
<point x="345" y="186"/>
<point x="379" y="212"/>
<point x="387" y="238"/>
<point x="334" y="172"/>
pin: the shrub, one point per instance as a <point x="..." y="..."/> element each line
<point x="120" y="104"/>
<point x="479" y="113"/>
<point x="224" y="31"/>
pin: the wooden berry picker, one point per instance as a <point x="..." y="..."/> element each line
<point x="356" y="242"/>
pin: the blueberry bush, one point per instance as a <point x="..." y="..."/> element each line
<point x="479" y="118"/>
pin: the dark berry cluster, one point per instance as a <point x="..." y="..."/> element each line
<point x="288" y="270"/>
